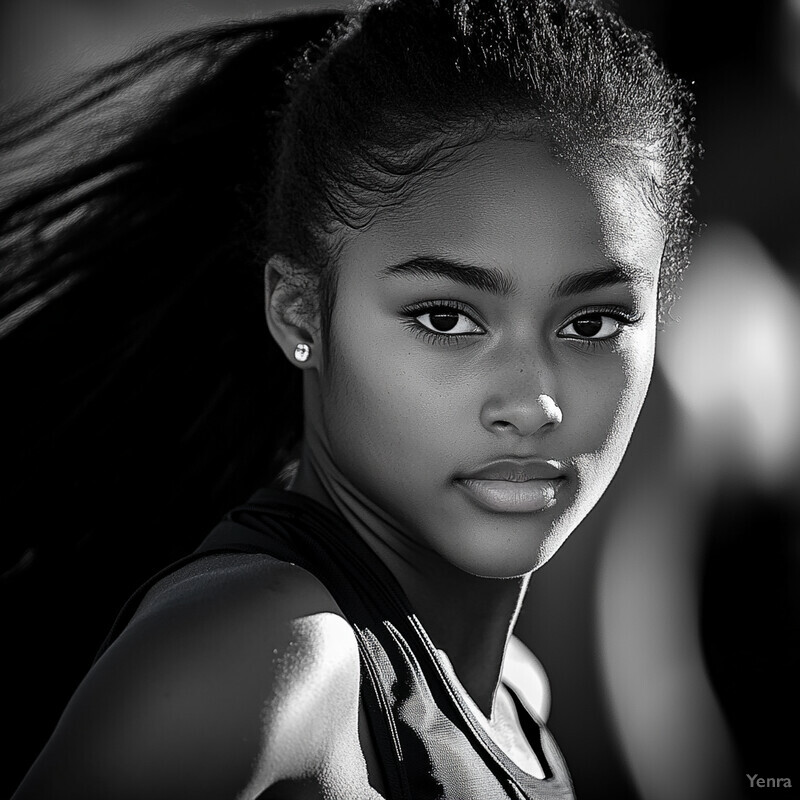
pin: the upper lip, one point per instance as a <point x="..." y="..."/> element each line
<point x="516" y="470"/>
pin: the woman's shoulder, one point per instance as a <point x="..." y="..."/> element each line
<point x="207" y="691"/>
<point x="233" y="583"/>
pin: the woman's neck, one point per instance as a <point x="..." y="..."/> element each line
<point x="468" y="617"/>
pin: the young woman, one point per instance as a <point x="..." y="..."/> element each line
<point x="470" y="217"/>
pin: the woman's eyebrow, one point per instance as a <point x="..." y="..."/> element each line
<point x="611" y="275"/>
<point x="486" y="279"/>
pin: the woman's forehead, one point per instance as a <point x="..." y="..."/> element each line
<point x="509" y="203"/>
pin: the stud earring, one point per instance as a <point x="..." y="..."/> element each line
<point x="302" y="352"/>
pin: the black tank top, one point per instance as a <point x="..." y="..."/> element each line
<point x="429" y="743"/>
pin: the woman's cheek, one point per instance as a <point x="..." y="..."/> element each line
<point x="633" y="373"/>
<point x="371" y="409"/>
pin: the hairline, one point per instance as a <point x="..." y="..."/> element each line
<point x="459" y="150"/>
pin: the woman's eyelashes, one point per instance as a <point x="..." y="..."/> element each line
<point x="447" y="322"/>
<point x="597" y="326"/>
<point x="451" y="321"/>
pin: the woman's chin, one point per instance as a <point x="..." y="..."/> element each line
<point x="503" y="548"/>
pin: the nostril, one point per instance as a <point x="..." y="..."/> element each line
<point x="521" y="415"/>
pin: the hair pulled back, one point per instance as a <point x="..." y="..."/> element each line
<point x="404" y="86"/>
<point x="141" y="203"/>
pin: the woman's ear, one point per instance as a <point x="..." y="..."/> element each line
<point x="292" y="310"/>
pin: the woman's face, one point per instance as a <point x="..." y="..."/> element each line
<point x="492" y="342"/>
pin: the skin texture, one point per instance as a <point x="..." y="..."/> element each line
<point x="206" y="693"/>
<point x="395" y="418"/>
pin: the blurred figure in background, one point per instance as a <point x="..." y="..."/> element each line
<point x="732" y="364"/>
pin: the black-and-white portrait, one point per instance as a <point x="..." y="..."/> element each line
<point x="399" y="400"/>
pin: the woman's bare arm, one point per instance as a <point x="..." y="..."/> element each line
<point x="232" y="677"/>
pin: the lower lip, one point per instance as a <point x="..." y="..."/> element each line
<point x="521" y="497"/>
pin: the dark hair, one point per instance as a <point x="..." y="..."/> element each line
<point x="405" y="86"/>
<point x="141" y="204"/>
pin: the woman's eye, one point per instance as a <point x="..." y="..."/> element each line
<point x="443" y="319"/>
<point x="592" y="326"/>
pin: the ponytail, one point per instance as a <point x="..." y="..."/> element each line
<point x="142" y="394"/>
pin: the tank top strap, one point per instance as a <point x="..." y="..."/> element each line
<point x="420" y="719"/>
<point x="429" y="743"/>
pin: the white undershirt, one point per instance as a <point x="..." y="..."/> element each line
<point x="523" y="672"/>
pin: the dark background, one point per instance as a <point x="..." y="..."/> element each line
<point x="668" y="623"/>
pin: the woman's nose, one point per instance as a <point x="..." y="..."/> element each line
<point x="523" y="409"/>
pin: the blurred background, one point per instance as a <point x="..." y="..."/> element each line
<point x="668" y="623"/>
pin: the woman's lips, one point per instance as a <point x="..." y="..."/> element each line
<point x="514" y="485"/>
